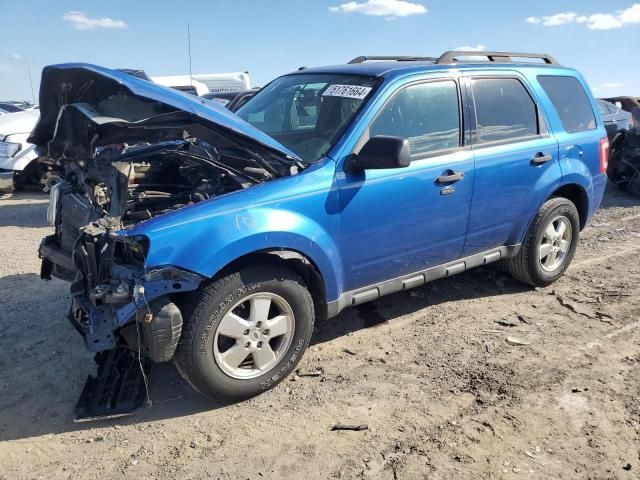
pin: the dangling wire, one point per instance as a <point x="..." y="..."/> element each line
<point x="144" y="375"/>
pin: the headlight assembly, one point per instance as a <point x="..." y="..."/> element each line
<point x="9" y="149"/>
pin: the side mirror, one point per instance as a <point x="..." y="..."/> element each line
<point x="381" y="152"/>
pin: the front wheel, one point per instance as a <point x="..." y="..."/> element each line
<point x="245" y="332"/>
<point x="549" y="244"/>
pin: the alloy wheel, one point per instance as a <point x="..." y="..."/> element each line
<point x="254" y="335"/>
<point x="555" y="243"/>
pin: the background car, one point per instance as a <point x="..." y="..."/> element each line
<point x="231" y="100"/>
<point x="625" y="103"/>
<point x="614" y="118"/>
<point x="18" y="158"/>
<point x="10" y="107"/>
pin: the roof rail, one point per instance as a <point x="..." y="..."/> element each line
<point x="364" y="58"/>
<point x="452" y="56"/>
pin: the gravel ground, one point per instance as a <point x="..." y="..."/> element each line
<point x="475" y="376"/>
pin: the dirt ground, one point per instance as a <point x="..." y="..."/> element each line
<point x="475" y="376"/>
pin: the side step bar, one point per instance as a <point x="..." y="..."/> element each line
<point x="412" y="280"/>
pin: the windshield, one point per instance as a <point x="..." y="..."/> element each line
<point x="307" y="112"/>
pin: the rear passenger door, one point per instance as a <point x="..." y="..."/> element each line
<point x="516" y="159"/>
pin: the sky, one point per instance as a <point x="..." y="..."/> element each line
<point x="272" y="37"/>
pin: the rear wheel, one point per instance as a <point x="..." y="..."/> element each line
<point x="549" y="244"/>
<point x="245" y="332"/>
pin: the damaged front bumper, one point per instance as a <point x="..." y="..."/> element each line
<point x="107" y="296"/>
<point x="100" y="313"/>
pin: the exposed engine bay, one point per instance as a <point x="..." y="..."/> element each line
<point x="138" y="183"/>
<point x="130" y="151"/>
<point x="121" y="186"/>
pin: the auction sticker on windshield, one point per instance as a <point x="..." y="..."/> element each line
<point x="347" y="91"/>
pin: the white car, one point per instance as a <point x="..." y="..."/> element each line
<point x="15" y="153"/>
<point x="201" y="84"/>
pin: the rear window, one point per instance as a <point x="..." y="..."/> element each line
<point x="570" y="101"/>
<point x="504" y="110"/>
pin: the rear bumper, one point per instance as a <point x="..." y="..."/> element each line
<point x="6" y="181"/>
<point x="598" y="186"/>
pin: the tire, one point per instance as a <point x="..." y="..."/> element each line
<point x="527" y="265"/>
<point x="234" y="305"/>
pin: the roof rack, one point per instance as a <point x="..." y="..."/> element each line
<point x="452" y="56"/>
<point x="364" y="58"/>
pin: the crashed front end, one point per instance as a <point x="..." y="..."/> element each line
<point x="114" y="298"/>
<point x="130" y="151"/>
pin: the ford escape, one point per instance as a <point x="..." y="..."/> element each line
<point x="216" y="240"/>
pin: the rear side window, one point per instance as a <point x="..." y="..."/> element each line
<point x="504" y="110"/>
<point x="426" y="114"/>
<point x="570" y="101"/>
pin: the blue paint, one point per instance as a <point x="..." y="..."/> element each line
<point x="362" y="228"/>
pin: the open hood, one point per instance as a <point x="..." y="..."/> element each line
<point x="85" y="106"/>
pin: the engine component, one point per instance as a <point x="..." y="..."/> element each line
<point x="75" y="213"/>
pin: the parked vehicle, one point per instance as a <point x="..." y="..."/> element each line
<point x="18" y="157"/>
<point x="625" y="103"/>
<point x="615" y="119"/>
<point x="217" y="239"/>
<point x="624" y="167"/>
<point x="136" y="72"/>
<point x="202" y="84"/>
<point x="10" y="107"/>
<point x="231" y="100"/>
<point x="225" y="82"/>
<point x="183" y="83"/>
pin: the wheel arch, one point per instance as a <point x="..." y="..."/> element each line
<point x="577" y="195"/>
<point x="297" y="261"/>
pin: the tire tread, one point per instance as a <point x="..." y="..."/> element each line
<point x="520" y="265"/>
<point x="193" y="305"/>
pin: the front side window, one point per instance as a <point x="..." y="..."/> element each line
<point x="504" y="110"/>
<point x="427" y="114"/>
<point x="307" y="113"/>
<point x="570" y="101"/>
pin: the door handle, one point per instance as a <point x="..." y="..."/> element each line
<point x="450" y="177"/>
<point x="541" y="158"/>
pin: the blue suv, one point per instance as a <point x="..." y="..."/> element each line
<point x="217" y="239"/>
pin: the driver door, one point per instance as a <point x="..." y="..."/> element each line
<point x="398" y="221"/>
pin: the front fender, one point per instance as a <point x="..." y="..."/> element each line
<point x="216" y="243"/>
<point x="206" y="237"/>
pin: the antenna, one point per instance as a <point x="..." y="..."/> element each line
<point x="33" y="97"/>
<point x="189" y="50"/>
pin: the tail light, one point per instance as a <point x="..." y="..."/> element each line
<point x="604" y="154"/>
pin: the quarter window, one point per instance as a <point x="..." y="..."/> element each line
<point x="570" y="101"/>
<point x="426" y="114"/>
<point x="504" y="110"/>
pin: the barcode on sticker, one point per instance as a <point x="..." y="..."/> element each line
<point x="347" y="91"/>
